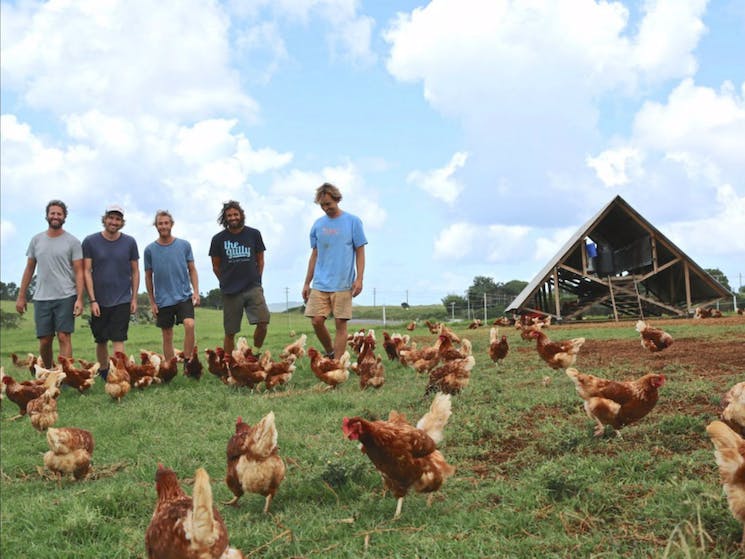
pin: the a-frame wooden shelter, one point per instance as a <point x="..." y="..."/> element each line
<point x="620" y="261"/>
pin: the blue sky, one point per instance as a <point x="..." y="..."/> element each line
<point x="472" y="137"/>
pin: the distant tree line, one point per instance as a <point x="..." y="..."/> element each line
<point x="484" y="293"/>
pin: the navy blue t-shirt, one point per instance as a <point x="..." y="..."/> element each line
<point x="239" y="270"/>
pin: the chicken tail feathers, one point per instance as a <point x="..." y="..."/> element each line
<point x="725" y="438"/>
<point x="641" y="326"/>
<point x="264" y="437"/>
<point x="203" y="525"/>
<point x="433" y="422"/>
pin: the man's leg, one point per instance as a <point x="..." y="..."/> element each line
<point x="45" y="351"/>
<point x="340" y="339"/>
<point x="228" y="343"/>
<point x="319" y="326"/>
<point x="189" y="337"/>
<point x="65" y="343"/>
<point x="168" y="351"/>
<point x="102" y="356"/>
<point x="260" y="334"/>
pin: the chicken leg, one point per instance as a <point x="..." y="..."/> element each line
<point x="399" y="504"/>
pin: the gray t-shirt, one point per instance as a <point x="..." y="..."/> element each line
<point x="55" y="277"/>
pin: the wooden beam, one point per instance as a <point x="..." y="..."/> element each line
<point x="687" y="275"/>
<point x="612" y="299"/>
<point x="657" y="270"/>
<point x="557" y="305"/>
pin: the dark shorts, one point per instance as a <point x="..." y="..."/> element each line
<point x="175" y="314"/>
<point x="55" y="315"/>
<point x="251" y="301"/>
<point x="112" y="325"/>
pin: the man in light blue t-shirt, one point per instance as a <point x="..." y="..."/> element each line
<point x="172" y="284"/>
<point x="57" y="257"/>
<point x="336" y="269"/>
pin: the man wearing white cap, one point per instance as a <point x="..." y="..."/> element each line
<point x="112" y="278"/>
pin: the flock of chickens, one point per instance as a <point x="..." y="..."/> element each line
<point x="406" y="455"/>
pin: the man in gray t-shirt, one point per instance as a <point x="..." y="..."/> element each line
<point x="57" y="257"/>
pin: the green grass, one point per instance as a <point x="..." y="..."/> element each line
<point x="531" y="480"/>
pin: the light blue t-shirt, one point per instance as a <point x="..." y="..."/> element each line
<point x="169" y="263"/>
<point x="336" y="240"/>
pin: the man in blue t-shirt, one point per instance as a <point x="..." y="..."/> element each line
<point x="172" y="284"/>
<point x="112" y="278"/>
<point x="237" y="254"/>
<point x="336" y="268"/>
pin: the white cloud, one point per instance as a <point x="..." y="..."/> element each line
<point x="441" y="183"/>
<point x="347" y="34"/>
<point x="667" y="37"/>
<point x="613" y="166"/>
<point x="492" y="243"/>
<point x="547" y="247"/>
<point x="696" y="119"/>
<point x="71" y="56"/>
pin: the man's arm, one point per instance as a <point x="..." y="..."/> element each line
<point x="134" y="265"/>
<point x="260" y="263"/>
<point x="309" y="273"/>
<point x="360" y="264"/>
<point x="77" y="267"/>
<point x="88" y="276"/>
<point x="194" y="277"/>
<point x="216" y="261"/>
<point x="149" y="286"/>
<point x="28" y="273"/>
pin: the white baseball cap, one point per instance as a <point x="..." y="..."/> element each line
<point x="114" y="208"/>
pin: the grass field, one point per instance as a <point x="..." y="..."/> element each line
<point x="530" y="481"/>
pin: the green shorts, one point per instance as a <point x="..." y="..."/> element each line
<point x="251" y="301"/>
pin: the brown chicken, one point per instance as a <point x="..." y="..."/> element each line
<point x="411" y="326"/>
<point x="21" y="393"/>
<point x="277" y="372"/>
<point x="184" y="527"/>
<point x="609" y="402"/>
<point x="248" y="373"/>
<point x="421" y="360"/>
<point x="730" y="456"/>
<point x="733" y="408"/>
<point x="216" y="363"/>
<point x="168" y="369"/>
<point x="333" y="372"/>
<point x="476" y="323"/>
<point x="28" y="363"/>
<point x="391" y="350"/>
<point x="448" y="352"/>
<point x="42" y="411"/>
<point x="118" y="383"/>
<point x="296" y="348"/>
<point x="254" y="464"/>
<point x="144" y="374"/>
<point x="369" y="367"/>
<point x="558" y="355"/>
<point x="653" y="338"/>
<point x="354" y="341"/>
<point x="79" y="378"/>
<point x="498" y="347"/>
<point x="406" y="456"/>
<point x="193" y="368"/>
<point x="433" y="327"/>
<point x="70" y="451"/>
<point x="451" y="377"/>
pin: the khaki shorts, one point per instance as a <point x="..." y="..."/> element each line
<point x="251" y="302"/>
<point x="326" y="303"/>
